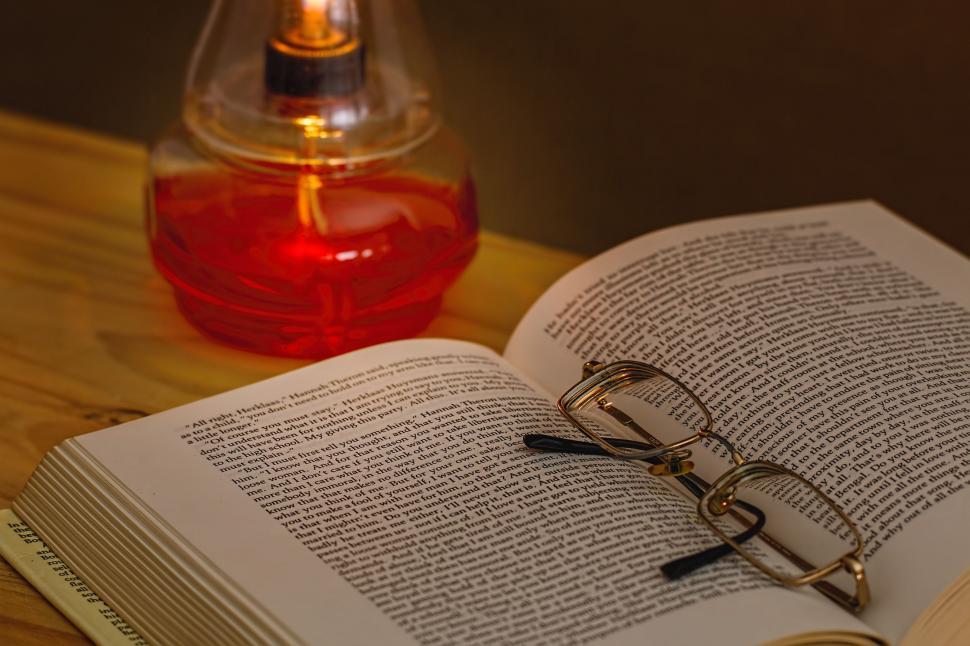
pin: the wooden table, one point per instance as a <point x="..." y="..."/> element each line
<point x="89" y="333"/>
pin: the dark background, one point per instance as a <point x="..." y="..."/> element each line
<point x="590" y="122"/>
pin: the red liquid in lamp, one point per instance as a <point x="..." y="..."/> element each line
<point x="290" y="266"/>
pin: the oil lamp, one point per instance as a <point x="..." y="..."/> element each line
<point x="310" y="202"/>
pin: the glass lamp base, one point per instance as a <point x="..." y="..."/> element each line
<point x="306" y="337"/>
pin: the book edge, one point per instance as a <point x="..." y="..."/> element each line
<point x="84" y="612"/>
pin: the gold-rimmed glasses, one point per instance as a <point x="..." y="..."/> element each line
<point x="636" y="411"/>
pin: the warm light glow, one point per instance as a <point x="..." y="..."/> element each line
<point x="324" y="25"/>
<point x="314" y="26"/>
<point x="320" y="23"/>
<point x="315" y="52"/>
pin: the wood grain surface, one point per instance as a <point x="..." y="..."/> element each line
<point x="89" y="333"/>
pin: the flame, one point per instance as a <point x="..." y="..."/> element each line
<point x="315" y="6"/>
<point x="314" y="23"/>
<point x="317" y="24"/>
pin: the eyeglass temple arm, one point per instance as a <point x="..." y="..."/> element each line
<point x="683" y="566"/>
<point x="678" y="567"/>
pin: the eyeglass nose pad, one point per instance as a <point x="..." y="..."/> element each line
<point x="590" y="368"/>
<point x="722" y="500"/>
<point x="674" y="464"/>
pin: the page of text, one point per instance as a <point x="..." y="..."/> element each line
<point x="833" y="340"/>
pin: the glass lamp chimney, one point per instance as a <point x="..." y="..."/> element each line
<point x="310" y="202"/>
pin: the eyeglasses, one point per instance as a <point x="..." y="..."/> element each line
<point x="635" y="411"/>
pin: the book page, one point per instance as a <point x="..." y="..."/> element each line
<point x="385" y="496"/>
<point x="833" y="340"/>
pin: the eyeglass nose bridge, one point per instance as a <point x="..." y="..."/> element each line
<point x="590" y="368"/>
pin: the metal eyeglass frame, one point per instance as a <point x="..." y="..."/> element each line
<point x="600" y="380"/>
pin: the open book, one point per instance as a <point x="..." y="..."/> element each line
<point x="385" y="496"/>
